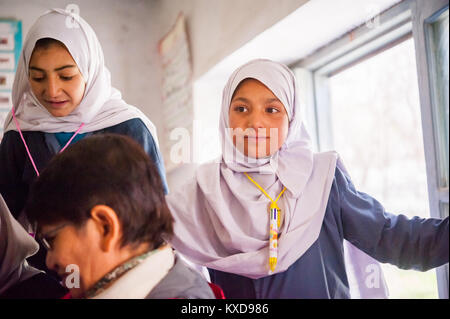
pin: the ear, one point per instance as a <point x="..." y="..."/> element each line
<point x="108" y="225"/>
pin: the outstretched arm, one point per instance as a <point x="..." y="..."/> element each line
<point x="409" y="243"/>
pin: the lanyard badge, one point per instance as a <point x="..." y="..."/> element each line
<point x="274" y="225"/>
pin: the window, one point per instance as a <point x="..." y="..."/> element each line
<point x="376" y="128"/>
<point x="431" y="31"/>
<point x="379" y="96"/>
<point x="438" y="61"/>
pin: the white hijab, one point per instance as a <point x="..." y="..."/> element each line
<point x="221" y="217"/>
<point x="102" y="105"/>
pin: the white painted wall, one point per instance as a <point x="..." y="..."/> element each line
<point x="299" y="34"/>
<point x="223" y="34"/>
<point x="217" y="28"/>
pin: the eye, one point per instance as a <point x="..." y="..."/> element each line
<point x="38" y="79"/>
<point x="66" y="78"/>
<point x="272" y="110"/>
<point x="240" y="109"/>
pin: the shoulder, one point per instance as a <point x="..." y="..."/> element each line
<point x="12" y="141"/>
<point x="133" y="126"/>
<point x="210" y="170"/>
<point x="9" y="139"/>
<point x="182" y="282"/>
<point x="13" y="136"/>
<point x="341" y="178"/>
<point x="137" y="130"/>
<point x="330" y="166"/>
<point x="341" y="183"/>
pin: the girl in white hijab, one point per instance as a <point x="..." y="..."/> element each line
<point x="61" y="93"/>
<point x="271" y="223"/>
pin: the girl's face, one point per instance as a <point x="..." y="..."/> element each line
<point x="258" y="118"/>
<point x="56" y="80"/>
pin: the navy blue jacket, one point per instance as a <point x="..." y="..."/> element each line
<point x="416" y="243"/>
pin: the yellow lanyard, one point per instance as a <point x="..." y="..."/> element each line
<point x="274" y="225"/>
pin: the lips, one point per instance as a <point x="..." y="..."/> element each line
<point x="255" y="138"/>
<point x="57" y="104"/>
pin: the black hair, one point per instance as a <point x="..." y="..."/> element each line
<point x="45" y="43"/>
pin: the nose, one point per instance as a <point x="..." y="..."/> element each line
<point x="50" y="261"/>
<point x="256" y="122"/>
<point x="53" y="88"/>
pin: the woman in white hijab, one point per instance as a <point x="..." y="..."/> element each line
<point x="61" y="93"/>
<point x="270" y="219"/>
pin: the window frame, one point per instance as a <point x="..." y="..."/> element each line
<point x="402" y="21"/>
<point x="424" y="13"/>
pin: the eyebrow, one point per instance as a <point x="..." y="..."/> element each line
<point x="273" y="99"/>
<point x="57" y="69"/>
<point x="243" y="99"/>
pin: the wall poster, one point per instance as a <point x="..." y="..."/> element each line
<point x="10" y="47"/>
<point x="176" y="141"/>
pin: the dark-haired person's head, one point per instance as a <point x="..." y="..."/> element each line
<point x="96" y="205"/>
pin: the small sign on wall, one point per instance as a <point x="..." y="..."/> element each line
<point x="10" y="47"/>
<point x="7" y="61"/>
<point x="6" y="80"/>
<point x="7" y="41"/>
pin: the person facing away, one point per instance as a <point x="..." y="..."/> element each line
<point x="100" y="211"/>
<point x="270" y="218"/>
<point x="62" y="93"/>
<point x="17" y="278"/>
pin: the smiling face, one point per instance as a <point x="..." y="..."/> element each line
<point x="258" y="118"/>
<point x="56" y="80"/>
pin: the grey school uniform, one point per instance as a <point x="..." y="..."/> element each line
<point x="182" y="282"/>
